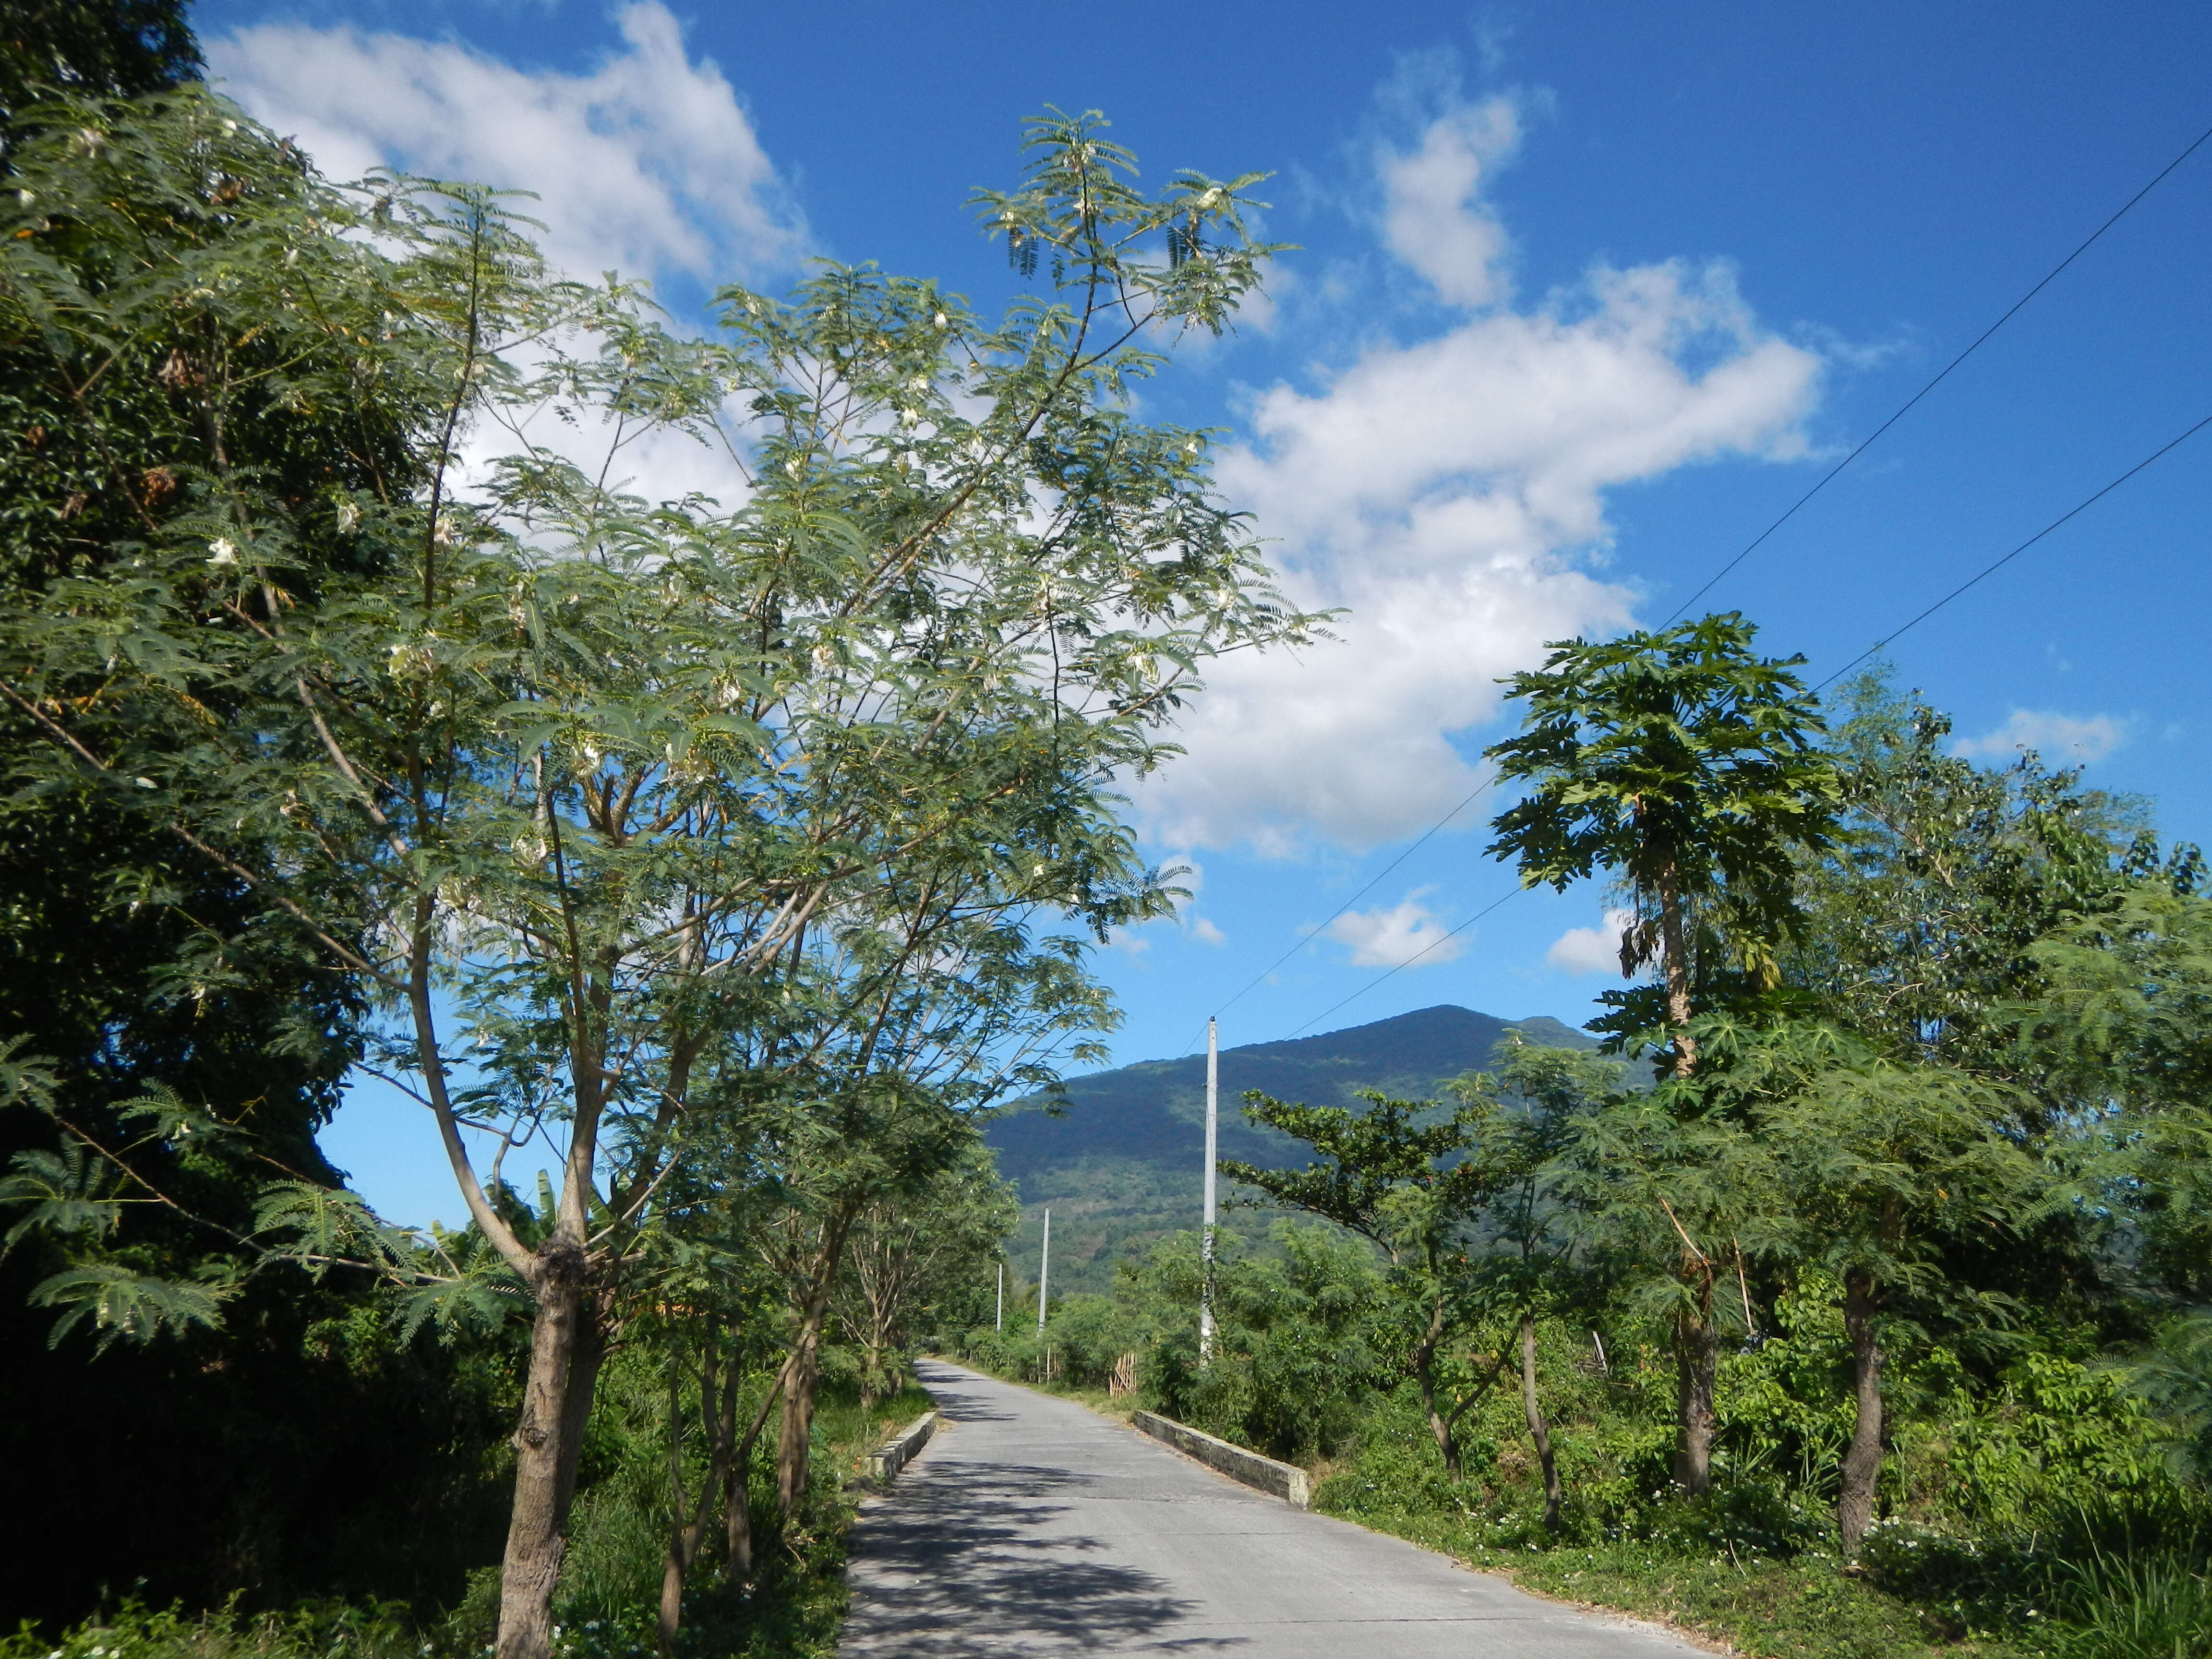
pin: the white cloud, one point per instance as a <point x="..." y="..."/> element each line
<point x="1591" y="950"/>
<point x="647" y="164"/>
<point x="1450" y="493"/>
<point x="1393" y="937"/>
<point x="2059" y="739"/>
<point x="1206" y="933"/>
<point x="1433" y="215"/>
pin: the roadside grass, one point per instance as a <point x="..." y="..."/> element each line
<point x="1807" y="1607"/>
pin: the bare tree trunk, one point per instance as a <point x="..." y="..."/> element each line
<point x="737" y="1495"/>
<point x="1862" y="1457"/>
<point x="1539" y="1432"/>
<point x="1674" y="947"/>
<point x="1697" y="1359"/>
<point x="794" y="1444"/>
<point x="1425" y="1376"/>
<point x="565" y="1347"/>
<point x="685" y="1535"/>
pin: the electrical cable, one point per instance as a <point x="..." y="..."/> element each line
<point x="1472" y="795"/>
<point x="1987" y="571"/>
<point x="1433" y="945"/>
<point x="1995" y="565"/>
<point x="1752" y="546"/>
<point x="1865" y="443"/>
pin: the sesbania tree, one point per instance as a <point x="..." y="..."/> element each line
<point x="576" y="784"/>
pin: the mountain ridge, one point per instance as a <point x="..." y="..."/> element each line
<point x="1119" y="1162"/>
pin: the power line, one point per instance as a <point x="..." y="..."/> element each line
<point x="1373" y="882"/>
<point x="1867" y="442"/>
<point x="1995" y="565"/>
<point x="1990" y="569"/>
<point x="1754" y="545"/>
<point x="1433" y="945"/>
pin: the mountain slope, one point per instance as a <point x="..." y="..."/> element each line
<point x="1122" y="1165"/>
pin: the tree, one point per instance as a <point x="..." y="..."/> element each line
<point x="1923" y="912"/>
<point x="902" y="1253"/>
<point x="592" y="771"/>
<point x="1684" y="766"/>
<point x="114" y="48"/>
<point x="1881" y="1163"/>
<point x="2122" y="1033"/>
<point x="1411" y="1190"/>
<point x="1683" y="1186"/>
<point x="156" y="342"/>
<point x="1533" y="1231"/>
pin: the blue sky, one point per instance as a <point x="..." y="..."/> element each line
<point x="1586" y="295"/>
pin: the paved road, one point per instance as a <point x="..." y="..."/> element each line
<point x="1032" y="1526"/>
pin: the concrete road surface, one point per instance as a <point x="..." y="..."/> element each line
<point x="1032" y="1526"/>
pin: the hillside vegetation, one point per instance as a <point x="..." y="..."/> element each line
<point x="1118" y="1155"/>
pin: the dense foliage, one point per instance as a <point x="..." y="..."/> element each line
<point x="1910" y="1254"/>
<point x="745" y="850"/>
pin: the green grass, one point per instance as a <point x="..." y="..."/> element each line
<point x="1810" y="1607"/>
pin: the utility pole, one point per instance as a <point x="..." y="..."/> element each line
<point x="1206" y="1238"/>
<point x="999" y="1322"/>
<point x="1044" y="1273"/>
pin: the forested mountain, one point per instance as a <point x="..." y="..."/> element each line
<point x="1120" y="1163"/>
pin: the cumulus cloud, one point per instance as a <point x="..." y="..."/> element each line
<point x="2058" y="737"/>
<point x="1591" y="950"/>
<point x="1394" y="937"/>
<point x="1434" y="217"/>
<point x="647" y="164"/>
<point x="1449" y="492"/>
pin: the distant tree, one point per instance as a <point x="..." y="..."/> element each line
<point x="902" y="1255"/>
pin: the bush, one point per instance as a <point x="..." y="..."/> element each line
<point x="370" y="1630"/>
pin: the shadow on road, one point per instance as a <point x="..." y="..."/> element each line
<point x="973" y="1564"/>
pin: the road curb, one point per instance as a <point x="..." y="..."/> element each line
<point x="1283" y="1480"/>
<point x="896" y="1452"/>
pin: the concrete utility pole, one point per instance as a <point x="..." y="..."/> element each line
<point x="999" y="1322"/>
<point x="1206" y="1238"/>
<point x="1044" y="1273"/>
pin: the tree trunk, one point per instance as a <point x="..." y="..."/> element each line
<point x="717" y="1416"/>
<point x="1697" y="1359"/>
<point x="795" y="1440"/>
<point x="1675" y="963"/>
<point x="1862" y="1457"/>
<point x="1539" y="1432"/>
<point x="1425" y="1376"/>
<point x="738" y="1489"/>
<point x="566" y="1348"/>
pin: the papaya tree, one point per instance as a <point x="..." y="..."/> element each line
<point x="1686" y="769"/>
